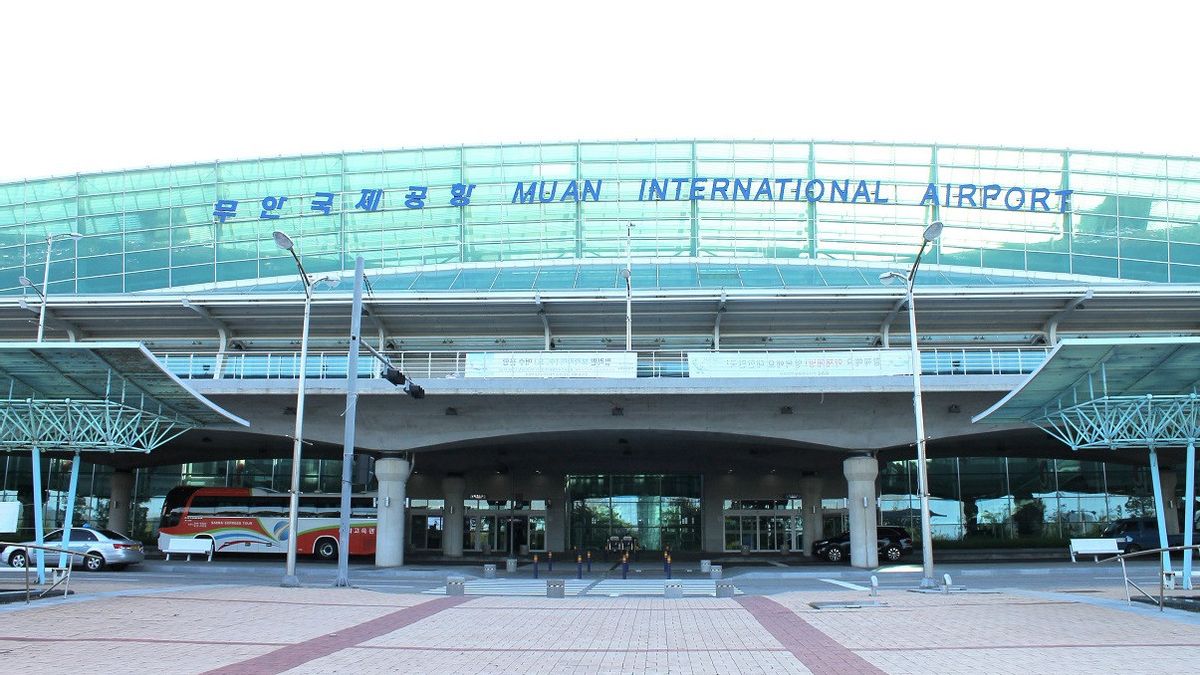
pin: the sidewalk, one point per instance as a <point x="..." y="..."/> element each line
<point x="267" y="629"/>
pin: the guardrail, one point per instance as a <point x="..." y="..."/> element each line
<point x="64" y="577"/>
<point x="438" y="365"/>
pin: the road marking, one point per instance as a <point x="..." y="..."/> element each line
<point x="845" y="584"/>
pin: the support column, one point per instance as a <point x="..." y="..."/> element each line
<point x="860" y="505"/>
<point x="392" y="474"/>
<point x="454" y="489"/>
<point x="556" y="514"/>
<point x="120" y="496"/>
<point x="1159" y="508"/>
<point x="1169" y="480"/>
<point x="813" y="521"/>
<point x="712" y="516"/>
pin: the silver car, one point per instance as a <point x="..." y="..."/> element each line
<point x="100" y="549"/>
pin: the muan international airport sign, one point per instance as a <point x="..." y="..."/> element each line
<point x="692" y="189"/>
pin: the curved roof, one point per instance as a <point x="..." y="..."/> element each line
<point x="758" y="208"/>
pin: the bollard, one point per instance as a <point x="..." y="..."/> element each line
<point x="535" y="567"/>
<point x="556" y="588"/>
<point x="673" y="589"/>
<point x="625" y="566"/>
<point x="550" y="561"/>
<point x="455" y="585"/>
<point x="489" y="571"/>
<point x="589" y="560"/>
<point x="578" y="567"/>
<point x="704" y="566"/>
<point x="874" y="585"/>
<point x="946" y="584"/>
<point x="725" y="589"/>
<point x="668" y="567"/>
<point x="714" y="571"/>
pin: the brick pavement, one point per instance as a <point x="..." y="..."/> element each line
<point x="266" y="629"/>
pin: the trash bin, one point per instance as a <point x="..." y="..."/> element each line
<point x="556" y="588"/>
<point x="489" y="571"/>
<point x="725" y="589"/>
<point x="524" y="549"/>
<point x="704" y="566"/>
<point x="673" y="589"/>
<point x="510" y="565"/>
<point x="455" y="585"/>
<point x="714" y="571"/>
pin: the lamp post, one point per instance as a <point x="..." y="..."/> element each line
<point x="25" y="281"/>
<point x="289" y="577"/>
<point x="930" y="235"/>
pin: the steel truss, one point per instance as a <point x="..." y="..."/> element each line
<point x="1127" y="422"/>
<point x="1119" y="422"/>
<point x="85" y="425"/>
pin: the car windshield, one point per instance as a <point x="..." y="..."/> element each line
<point x="114" y="535"/>
<point x="1115" y="528"/>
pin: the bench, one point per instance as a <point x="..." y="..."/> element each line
<point x="188" y="547"/>
<point x="1094" y="547"/>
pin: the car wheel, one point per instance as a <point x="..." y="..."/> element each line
<point x="93" y="562"/>
<point x="892" y="553"/>
<point x="834" y="554"/>
<point x="17" y="559"/>
<point x="327" y="549"/>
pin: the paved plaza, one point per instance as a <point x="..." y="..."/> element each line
<point x="148" y="624"/>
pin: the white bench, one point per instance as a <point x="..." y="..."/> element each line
<point x="1094" y="547"/>
<point x="188" y="547"/>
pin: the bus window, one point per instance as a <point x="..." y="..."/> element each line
<point x="268" y="507"/>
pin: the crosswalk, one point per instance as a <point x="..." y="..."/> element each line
<point x="584" y="587"/>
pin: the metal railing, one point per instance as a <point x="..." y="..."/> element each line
<point x="1165" y="577"/>
<point x="450" y="364"/>
<point x="60" y="575"/>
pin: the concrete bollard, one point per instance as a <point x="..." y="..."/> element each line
<point x="947" y="583"/>
<point x="714" y="571"/>
<point x="704" y="566"/>
<point x="489" y="571"/>
<point x="874" y="585"/>
<point x="673" y="589"/>
<point x="456" y="585"/>
<point x="510" y="565"/>
<point x="556" y="588"/>
<point x="725" y="589"/>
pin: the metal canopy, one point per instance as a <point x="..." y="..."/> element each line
<point x="1081" y="371"/>
<point x="113" y="372"/>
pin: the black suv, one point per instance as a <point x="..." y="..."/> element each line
<point x="894" y="543"/>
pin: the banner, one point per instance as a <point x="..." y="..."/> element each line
<point x="865" y="363"/>
<point x="552" y="364"/>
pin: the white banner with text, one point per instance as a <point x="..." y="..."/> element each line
<point x="552" y="364"/>
<point x="800" y="364"/>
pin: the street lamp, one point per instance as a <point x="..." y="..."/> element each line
<point x="289" y="578"/>
<point x="930" y="235"/>
<point x="25" y="281"/>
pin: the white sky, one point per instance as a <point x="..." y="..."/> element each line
<point x="115" y="85"/>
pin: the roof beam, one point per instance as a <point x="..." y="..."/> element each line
<point x="537" y="300"/>
<point x="73" y="332"/>
<point x="885" y="328"/>
<point x="224" y="333"/>
<point x="1050" y="328"/>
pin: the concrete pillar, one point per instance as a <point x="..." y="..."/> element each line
<point x="813" y="521"/>
<point x="860" y="505"/>
<point x="392" y="474"/>
<point x="556" y="512"/>
<point x="1171" y="511"/>
<point x="454" y="489"/>
<point x="712" y="516"/>
<point x="120" y="494"/>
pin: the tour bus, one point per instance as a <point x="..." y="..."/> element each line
<point x="250" y="520"/>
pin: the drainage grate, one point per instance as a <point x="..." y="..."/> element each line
<point x="847" y="604"/>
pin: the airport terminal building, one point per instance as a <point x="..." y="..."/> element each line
<point x="687" y="343"/>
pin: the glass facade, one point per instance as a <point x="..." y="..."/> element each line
<point x="655" y="511"/>
<point x="1129" y="217"/>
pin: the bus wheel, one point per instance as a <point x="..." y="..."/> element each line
<point x="327" y="549"/>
